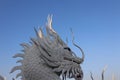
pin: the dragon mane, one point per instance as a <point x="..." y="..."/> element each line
<point x="48" y="58"/>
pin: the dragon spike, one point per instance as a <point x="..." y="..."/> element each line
<point x="18" y="55"/>
<point x="36" y="32"/>
<point x="34" y="41"/>
<point x="83" y="56"/>
<point x="15" y="68"/>
<point x="25" y="45"/>
<point x="49" y="19"/>
<point x="19" y="61"/>
<point x="40" y="33"/>
<point x="19" y="75"/>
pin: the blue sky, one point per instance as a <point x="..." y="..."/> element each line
<point x="95" y="23"/>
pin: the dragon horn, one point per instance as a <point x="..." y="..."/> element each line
<point x="51" y="32"/>
<point x="49" y="24"/>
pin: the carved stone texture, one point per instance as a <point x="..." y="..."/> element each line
<point x="48" y="57"/>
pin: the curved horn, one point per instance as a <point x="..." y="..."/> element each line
<point x="51" y="32"/>
<point x="49" y="23"/>
<point x="83" y="56"/>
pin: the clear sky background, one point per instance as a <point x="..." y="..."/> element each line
<point x="95" y="23"/>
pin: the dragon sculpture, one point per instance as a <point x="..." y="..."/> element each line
<point x="48" y="58"/>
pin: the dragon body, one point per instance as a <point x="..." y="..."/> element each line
<point x="48" y="58"/>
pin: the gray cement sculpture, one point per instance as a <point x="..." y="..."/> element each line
<point x="48" y="58"/>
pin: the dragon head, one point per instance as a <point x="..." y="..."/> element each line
<point x="57" y="55"/>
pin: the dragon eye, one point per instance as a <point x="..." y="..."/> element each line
<point x="67" y="48"/>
